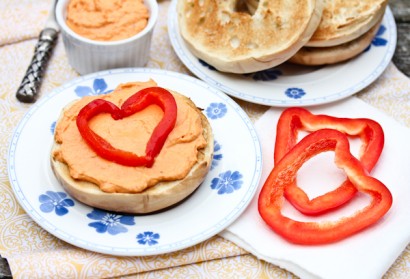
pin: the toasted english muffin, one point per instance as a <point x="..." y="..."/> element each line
<point x="158" y="196"/>
<point x="240" y="42"/>
<point x="345" y="20"/>
<point x="315" y="56"/>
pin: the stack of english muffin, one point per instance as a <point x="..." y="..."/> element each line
<point x="268" y="33"/>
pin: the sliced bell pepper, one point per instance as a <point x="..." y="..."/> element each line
<point x="137" y="102"/>
<point x="294" y="119"/>
<point x="271" y="197"/>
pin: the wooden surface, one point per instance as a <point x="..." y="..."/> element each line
<point x="401" y="58"/>
<point x="401" y="11"/>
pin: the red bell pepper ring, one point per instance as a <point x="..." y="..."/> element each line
<point x="294" y="119"/>
<point x="271" y="197"/>
<point x="137" y="102"/>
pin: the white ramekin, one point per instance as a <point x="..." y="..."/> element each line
<point x="88" y="56"/>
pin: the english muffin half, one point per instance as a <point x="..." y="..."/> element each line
<point x="178" y="170"/>
<point x="241" y="42"/>
<point x="315" y="56"/>
<point x="343" y="21"/>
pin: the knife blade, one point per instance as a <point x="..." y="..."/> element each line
<point x="30" y="84"/>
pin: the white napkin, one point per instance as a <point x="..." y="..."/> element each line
<point x="367" y="254"/>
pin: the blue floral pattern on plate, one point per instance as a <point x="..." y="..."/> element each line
<point x="378" y="40"/>
<point x="55" y="201"/>
<point x="110" y="222"/>
<point x="217" y="155"/>
<point x="216" y="110"/>
<point x="227" y="182"/>
<point x="266" y="75"/>
<point x="213" y="111"/>
<point x="149" y="238"/>
<point x="53" y="127"/>
<point x="210" y="67"/>
<point x="99" y="88"/>
<point x="295" y="93"/>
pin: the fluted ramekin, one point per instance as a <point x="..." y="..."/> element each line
<point x="88" y="56"/>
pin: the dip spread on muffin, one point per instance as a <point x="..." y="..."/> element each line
<point x="107" y="20"/>
<point x="178" y="169"/>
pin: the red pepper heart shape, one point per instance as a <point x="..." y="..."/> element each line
<point x="294" y="119"/>
<point x="137" y="102"/>
<point x="271" y="197"/>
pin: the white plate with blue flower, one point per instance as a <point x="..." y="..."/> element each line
<point x="293" y="85"/>
<point x="221" y="198"/>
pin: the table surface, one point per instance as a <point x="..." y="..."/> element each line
<point x="401" y="58"/>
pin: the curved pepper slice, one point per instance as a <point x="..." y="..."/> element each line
<point x="271" y="197"/>
<point x="294" y="119"/>
<point x="135" y="103"/>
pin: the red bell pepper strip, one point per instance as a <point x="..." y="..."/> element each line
<point x="294" y="119"/>
<point x="135" y="103"/>
<point x="271" y="197"/>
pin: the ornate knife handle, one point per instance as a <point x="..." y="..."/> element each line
<point x="30" y="84"/>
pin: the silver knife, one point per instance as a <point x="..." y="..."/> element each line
<point x="28" y="90"/>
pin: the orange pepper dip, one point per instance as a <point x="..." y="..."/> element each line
<point x="177" y="157"/>
<point x="107" y="20"/>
